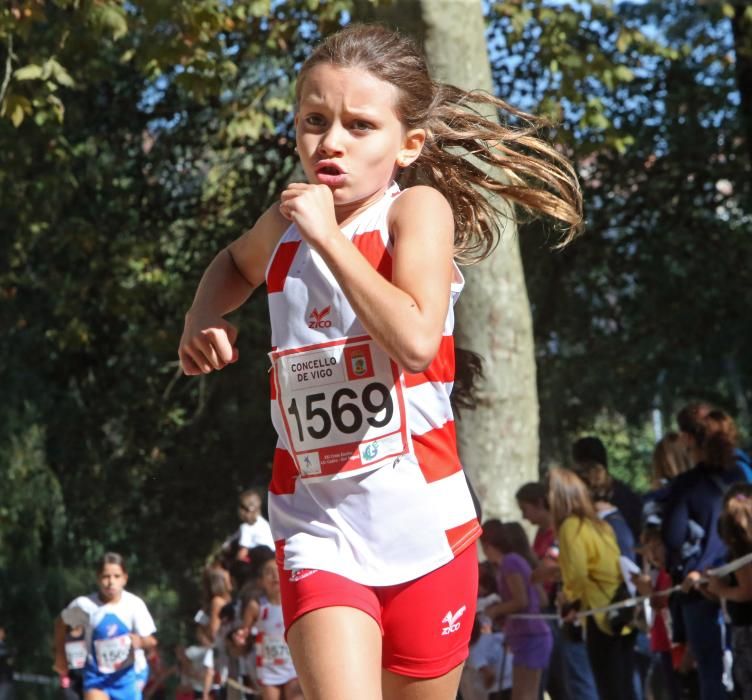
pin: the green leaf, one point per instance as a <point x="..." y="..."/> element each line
<point x="60" y="74"/>
<point x="16" y="107"/>
<point x="260" y="8"/>
<point x="623" y="74"/>
<point x="111" y="18"/>
<point x="57" y="107"/>
<point x="571" y="60"/>
<point x="623" y="41"/>
<point x="17" y="115"/>
<point x="30" y="72"/>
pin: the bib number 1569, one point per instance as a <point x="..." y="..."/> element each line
<point x="343" y="411"/>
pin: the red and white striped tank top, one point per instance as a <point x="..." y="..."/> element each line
<point x="366" y="481"/>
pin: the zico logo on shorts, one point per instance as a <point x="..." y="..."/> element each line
<point x="358" y="362"/>
<point x="451" y="620"/>
<point x="318" y="319"/>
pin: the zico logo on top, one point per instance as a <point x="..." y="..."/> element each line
<point x="318" y="319"/>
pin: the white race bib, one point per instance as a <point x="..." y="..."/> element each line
<point x="113" y="653"/>
<point x="342" y="405"/>
<point x="275" y="652"/>
<point x="75" y="653"/>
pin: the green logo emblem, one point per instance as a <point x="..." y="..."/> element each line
<point x="371" y="450"/>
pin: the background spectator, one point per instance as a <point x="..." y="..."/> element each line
<point x="591" y="463"/>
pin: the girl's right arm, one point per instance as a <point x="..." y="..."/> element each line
<point x="215" y="620"/>
<point x="208" y="340"/>
<point x="250" y="614"/>
<point x="61" y="663"/>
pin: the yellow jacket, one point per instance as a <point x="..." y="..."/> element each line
<point x="589" y="561"/>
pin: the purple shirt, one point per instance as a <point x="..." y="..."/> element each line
<point x="515" y="629"/>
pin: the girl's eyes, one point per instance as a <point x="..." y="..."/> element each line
<point x="359" y="125"/>
<point x="317" y="121"/>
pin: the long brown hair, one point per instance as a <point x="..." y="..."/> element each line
<point x="714" y="433"/>
<point x="509" y="161"/>
<point x="214" y="584"/>
<point x="670" y="458"/>
<point x="735" y="522"/>
<point x="514" y="540"/>
<point x="568" y="495"/>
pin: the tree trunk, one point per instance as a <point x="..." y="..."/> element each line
<point x="498" y="439"/>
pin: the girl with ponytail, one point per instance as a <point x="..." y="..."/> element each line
<point x="372" y="517"/>
<point x="691" y="536"/>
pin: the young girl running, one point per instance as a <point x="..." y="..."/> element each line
<point x="361" y="282"/>
<point x="116" y="624"/>
<point x="735" y="526"/>
<point x="274" y="668"/>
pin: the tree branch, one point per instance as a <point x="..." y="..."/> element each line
<point x="8" y="67"/>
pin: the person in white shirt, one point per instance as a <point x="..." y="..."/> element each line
<point x="254" y="528"/>
<point x="488" y="671"/>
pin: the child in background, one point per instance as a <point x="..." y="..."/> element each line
<point x="190" y="663"/>
<point x="568" y="674"/>
<point x="254" y="529"/>
<point x="241" y="656"/>
<point x="659" y="579"/>
<point x="488" y="586"/>
<point x="116" y="624"/>
<point x="275" y="672"/>
<point x="487" y="675"/>
<point x="216" y="594"/>
<point x="529" y="640"/>
<point x="253" y="590"/>
<point x="735" y="527"/>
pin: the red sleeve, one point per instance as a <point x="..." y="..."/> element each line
<point x="543" y="541"/>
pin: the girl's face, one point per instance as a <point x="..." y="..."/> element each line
<point x="534" y="513"/>
<point x="240" y="637"/>
<point x="349" y="136"/>
<point x="655" y="553"/>
<point x="112" y="580"/>
<point x="270" y="578"/>
<point x="493" y="554"/>
<point x="249" y="509"/>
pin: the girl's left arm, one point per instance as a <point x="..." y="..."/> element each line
<point x="406" y="315"/>
<point x="146" y="643"/>
<point x="741" y="593"/>
<point x="517" y="601"/>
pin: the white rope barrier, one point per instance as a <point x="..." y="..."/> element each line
<point x="55" y="680"/>
<point x="36" y="678"/>
<point x="242" y="688"/>
<point x="634" y="601"/>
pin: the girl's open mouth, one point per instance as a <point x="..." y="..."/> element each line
<point x="330" y="174"/>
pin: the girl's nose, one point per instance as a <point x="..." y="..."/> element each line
<point x="331" y="141"/>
